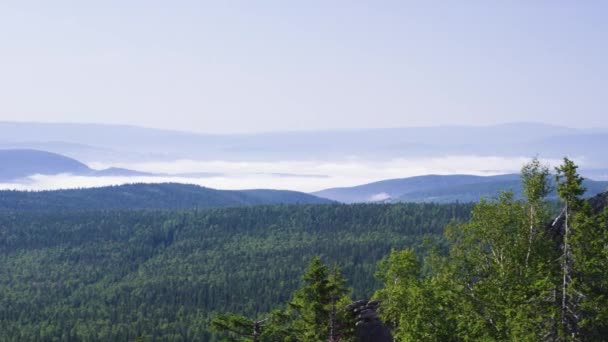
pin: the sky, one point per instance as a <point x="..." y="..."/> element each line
<point x="257" y="66"/>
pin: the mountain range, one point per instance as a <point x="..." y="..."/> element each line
<point x="112" y="143"/>
<point x="17" y="165"/>
<point x="440" y="189"/>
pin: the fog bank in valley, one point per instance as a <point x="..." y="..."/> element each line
<point x="307" y="176"/>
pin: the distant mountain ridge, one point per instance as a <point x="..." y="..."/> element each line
<point x="395" y="188"/>
<point x="439" y="189"/>
<point x="16" y="164"/>
<point x="111" y="143"/>
<point x="149" y="196"/>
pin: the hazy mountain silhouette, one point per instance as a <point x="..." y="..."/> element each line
<point x="109" y="143"/>
<point x="17" y="164"/>
<point x="437" y="188"/>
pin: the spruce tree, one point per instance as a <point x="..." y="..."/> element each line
<point x="570" y="190"/>
<point x="312" y="304"/>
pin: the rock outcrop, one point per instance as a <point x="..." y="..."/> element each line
<point x="368" y="326"/>
<point x="599" y="202"/>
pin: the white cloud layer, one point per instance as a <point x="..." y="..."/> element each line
<point x="292" y="175"/>
<point x="379" y="197"/>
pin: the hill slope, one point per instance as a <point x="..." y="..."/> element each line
<point x="16" y="164"/>
<point x="474" y="192"/>
<point x="20" y="163"/>
<point x="440" y="189"/>
<point x="149" y="196"/>
<point x="395" y="188"/>
<point x="120" y="274"/>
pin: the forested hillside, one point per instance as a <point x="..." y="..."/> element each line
<point x="513" y="272"/>
<point x="148" y="196"/>
<point x="503" y="269"/>
<point x="120" y="274"/>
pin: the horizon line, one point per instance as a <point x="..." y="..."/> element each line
<point x="297" y="131"/>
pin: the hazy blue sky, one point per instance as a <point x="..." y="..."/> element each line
<point x="228" y="66"/>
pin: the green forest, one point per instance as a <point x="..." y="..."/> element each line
<point x="147" y="196"/>
<point x="510" y="273"/>
<point x="504" y="269"/>
<point x="116" y="275"/>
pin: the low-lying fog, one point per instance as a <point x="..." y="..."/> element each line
<point x="304" y="176"/>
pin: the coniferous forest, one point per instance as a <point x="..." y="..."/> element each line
<point x="504" y="269"/>
<point x="303" y="171"/>
<point x="162" y="275"/>
<point x="511" y="273"/>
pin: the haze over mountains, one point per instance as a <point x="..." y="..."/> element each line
<point x="116" y="143"/>
<point x="440" y="189"/>
<point x="17" y="164"/>
<point x="304" y="161"/>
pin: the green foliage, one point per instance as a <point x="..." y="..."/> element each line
<point x="162" y="275"/>
<point x="147" y="196"/>
<point x="590" y="251"/>
<point x="311" y="315"/>
<point x="237" y="327"/>
<point x="312" y="303"/>
<point x="535" y="180"/>
<point x="569" y="184"/>
<point x="124" y="275"/>
<point x="570" y="190"/>
<point x="503" y="275"/>
<point x="407" y="300"/>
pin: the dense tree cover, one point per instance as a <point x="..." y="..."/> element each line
<point x="161" y="275"/>
<point x="316" y="311"/>
<point x="510" y="273"/>
<point x="507" y="276"/>
<point x="148" y="196"/>
<point x="502" y="270"/>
